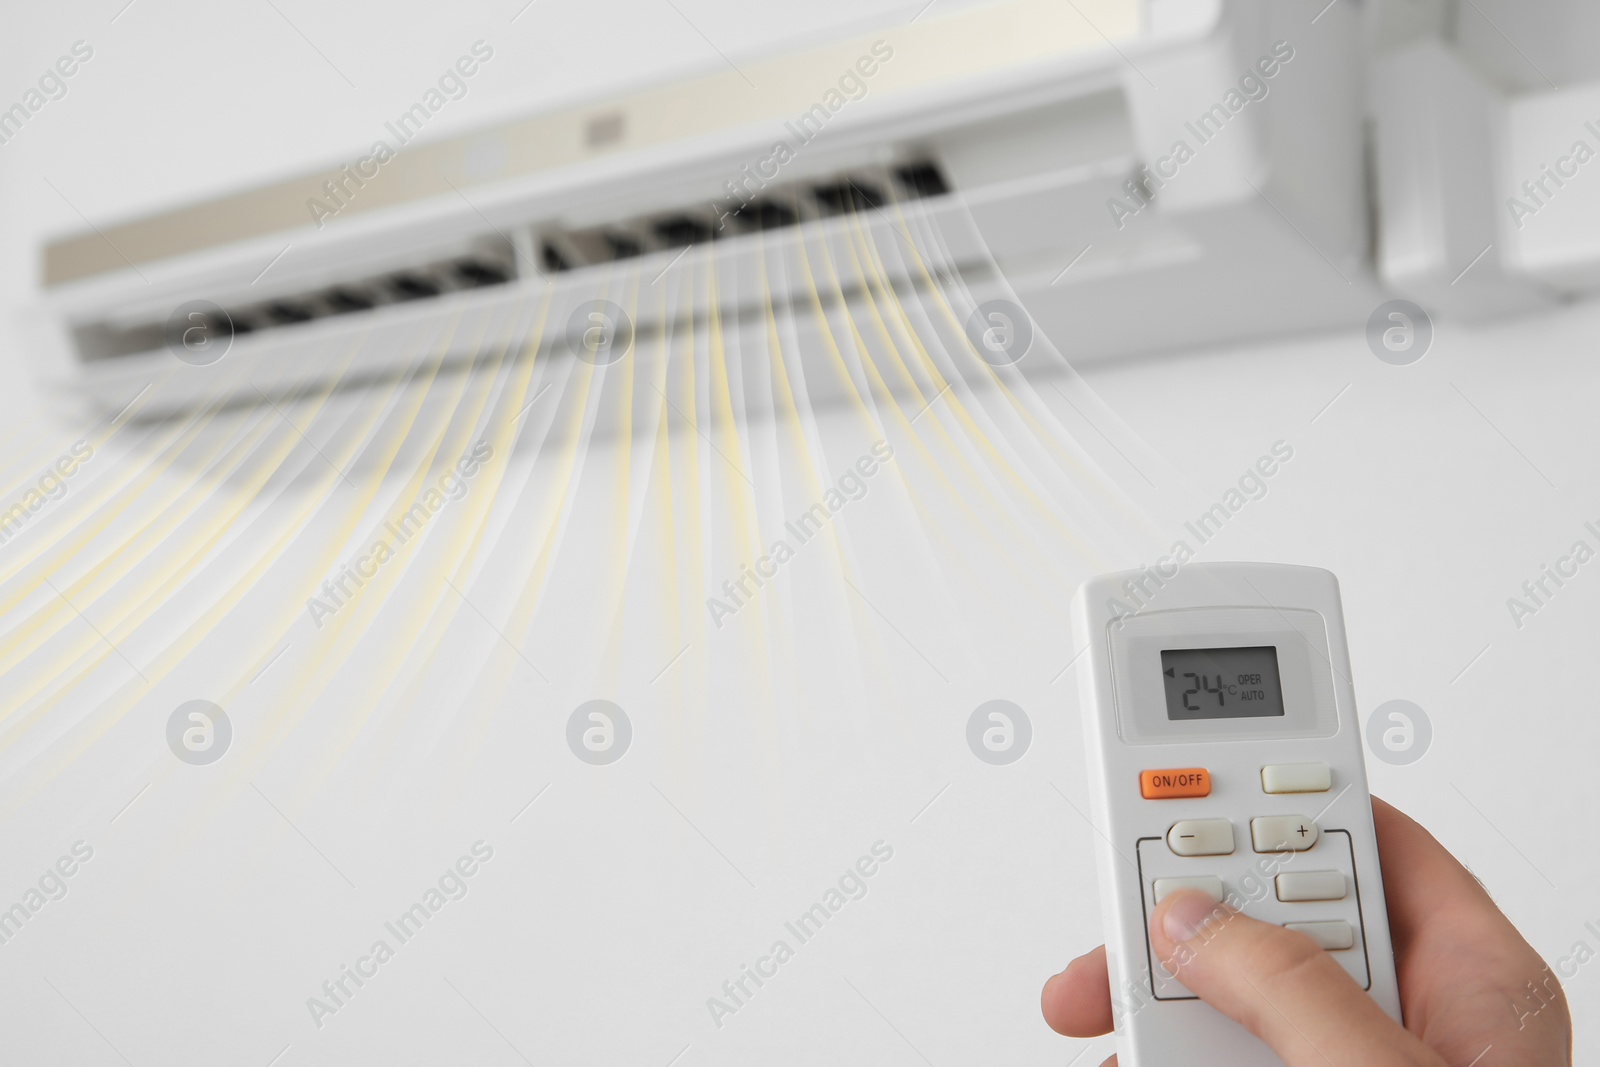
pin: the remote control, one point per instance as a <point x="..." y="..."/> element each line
<point x="1225" y="754"/>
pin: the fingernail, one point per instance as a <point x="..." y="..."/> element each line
<point x="1187" y="915"/>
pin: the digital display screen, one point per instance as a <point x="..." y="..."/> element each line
<point x="1222" y="683"/>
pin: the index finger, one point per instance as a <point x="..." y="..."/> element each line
<point x="1077" y="1002"/>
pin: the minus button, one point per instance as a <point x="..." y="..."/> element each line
<point x="1201" y="837"/>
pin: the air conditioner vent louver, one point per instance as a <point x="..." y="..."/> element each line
<point x="490" y="263"/>
<point x="778" y="207"/>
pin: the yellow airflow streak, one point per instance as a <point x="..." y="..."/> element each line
<point x="886" y="407"/>
<point x="489" y="685"/>
<point x="122" y="419"/>
<point x="99" y="494"/>
<point x="680" y="680"/>
<point x="974" y="434"/>
<point x="402" y="642"/>
<point x="608" y="672"/>
<point x="138" y="605"/>
<point x="466" y="536"/>
<point x="398" y="431"/>
<point x="74" y="678"/>
<point x="776" y="607"/>
<point x="691" y="517"/>
<point x="993" y="511"/>
<point x="864" y="621"/>
<point x="880" y="394"/>
<point x="556" y="500"/>
<point x="39" y="625"/>
<point x="609" y="669"/>
<point x="785" y="409"/>
<point x="747" y="529"/>
<point x="492" y="678"/>
<point x="679" y="555"/>
<point x="379" y="420"/>
<point x="104" y="501"/>
<point x="92" y="588"/>
<point x="130" y="693"/>
<point x="683" y="510"/>
<point x="115" y="500"/>
<point x="508" y="404"/>
<point x="771" y="621"/>
<point x="251" y="757"/>
<point x="36" y="461"/>
<point x="865" y="625"/>
<point x="878" y="291"/>
<point x="47" y="559"/>
<point x="460" y="535"/>
<point x="740" y="495"/>
<point x="1117" y="500"/>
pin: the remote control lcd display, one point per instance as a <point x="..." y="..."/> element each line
<point x="1222" y="683"/>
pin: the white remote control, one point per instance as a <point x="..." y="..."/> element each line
<point x="1225" y="754"/>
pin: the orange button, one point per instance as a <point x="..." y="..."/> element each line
<point x="1182" y="782"/>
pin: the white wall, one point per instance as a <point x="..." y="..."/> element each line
<point x="604" y="922"/>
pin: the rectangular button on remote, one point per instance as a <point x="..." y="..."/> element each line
<point x="1283" y="833"/>
<point x="1201" y="837"/>
<point x="1330" y="935"/>
<point x="1311" y="885"/>
<point x="1296" y="778"/>
<point x="1172" y="784"/>
<point x="1206" y="883"/>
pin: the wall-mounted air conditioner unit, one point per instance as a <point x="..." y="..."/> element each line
<point x="1142" y="174"/>
<point x="1490" y="191"/>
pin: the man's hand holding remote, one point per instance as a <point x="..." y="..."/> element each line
<point x="1472" y="990"/>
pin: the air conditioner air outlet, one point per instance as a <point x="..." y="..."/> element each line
<point x="775" y="207"/>
<point x="488" y="264"/>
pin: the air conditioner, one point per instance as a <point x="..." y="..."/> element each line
<point x="1490" y="192"/>
<point x="1140" y="174"/>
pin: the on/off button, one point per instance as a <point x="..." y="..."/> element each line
<point x="1175" y="783"/>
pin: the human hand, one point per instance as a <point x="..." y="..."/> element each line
<point x="1470" y="986"/>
